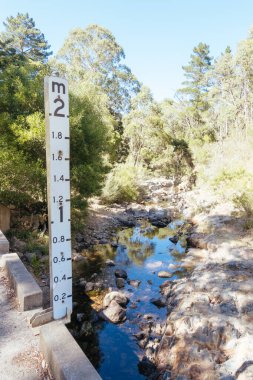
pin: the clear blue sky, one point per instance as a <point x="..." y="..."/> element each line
<point x="157" y="35"/>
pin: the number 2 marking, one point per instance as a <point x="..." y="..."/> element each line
<point x="59" y="108"/>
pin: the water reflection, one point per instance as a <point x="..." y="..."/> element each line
<point x="142" y="251"/>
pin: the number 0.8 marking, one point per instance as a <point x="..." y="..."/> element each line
<point x="60" y="240"/>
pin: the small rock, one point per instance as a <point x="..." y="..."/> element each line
<point x="82" y="283"/>
<point x="79" y="317"/>
<point x="146" y="367"/>
<point x="140" y="335"/>
<point x="158" y="302"/>
<point x="79" y="238"/>
<point x="149" y="353"/>
<point x="99" y="285"/>
<point x="86" y="329"/>
<point x="164" y="274"/>
<point x="110" y="263"/>
<point x="120" y="282"/>
<point x="148" y="316"/>
<point x="134" y="283"/>
<point x="165" y="284"/>
<point x="173" y="266"/>
<point x="120" y="273"/>
<point x="18" y="245"/>
<point x="89" y="286"/>
<point x="142" y="343"/>
<point x="43" y="364"/>
<point x="159" y="223"/>
<point x="158" y="329"/>
<point x="30" y="257"/>
<point x="174" y="239"/>
<point x="103" y="241"/>
<point x="133" y="305"/>
<point x="150" y="282"/>
<point x="78" y="257"/>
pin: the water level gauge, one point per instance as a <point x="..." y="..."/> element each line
<point x="58" y="194"/>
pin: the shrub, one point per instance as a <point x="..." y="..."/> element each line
<point x="244" y="202"/>
<point x="122" y="184"/>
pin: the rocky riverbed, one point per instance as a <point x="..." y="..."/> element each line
<point x="202" y="327"/>
<point x="208" y="331"/>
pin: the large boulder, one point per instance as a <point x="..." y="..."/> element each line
<point x="119" y="297"/>
<point x="114" y="313"/>
<point x="159" y="218"/>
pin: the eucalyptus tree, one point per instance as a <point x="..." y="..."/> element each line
<point x="137" y="127"/>
<point x="93" y="54"/>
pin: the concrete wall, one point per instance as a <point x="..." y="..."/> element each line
<point x="5" y="216"/>
<point x="4" y="244"/>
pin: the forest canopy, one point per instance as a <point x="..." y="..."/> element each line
<point x="119" y="133"/>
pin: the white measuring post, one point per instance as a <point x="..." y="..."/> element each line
<point x="58" y="194"/>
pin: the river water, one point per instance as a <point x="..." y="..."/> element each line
<point x="142" y="252"/>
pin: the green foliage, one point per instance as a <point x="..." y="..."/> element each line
<point x="93" y="55"/>
<point x="22" y="36"/>
<point x="123" y="184"/>
<point x="91" y="141"/>
<point x="22" y="181"/>
<point x="197" y="84"/>
<point x="22" y="127"/>
<point x="244" y="202"/>
<point x="234" y="185"/>
<point x="151" y="132"/>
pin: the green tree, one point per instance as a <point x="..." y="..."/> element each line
<point x="22" y="129"/>
<point x="27" y="40"/>
<point x="196" y="86"/>
<point x="93" y="54"/>
<point x="136" y="125"/>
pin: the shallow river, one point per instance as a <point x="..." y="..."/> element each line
<point x="142" y="252"/>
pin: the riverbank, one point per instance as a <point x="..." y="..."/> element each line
<point x="208" y="333"/>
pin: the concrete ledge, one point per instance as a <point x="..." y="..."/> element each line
<point x="26" y="288"/>
<point x="4" y="244"/>
<point x="65" y="358"/>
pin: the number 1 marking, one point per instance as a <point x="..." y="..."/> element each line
<point x="61" y="212"/>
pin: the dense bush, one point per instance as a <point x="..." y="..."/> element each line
<point x="123" y="184"/>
